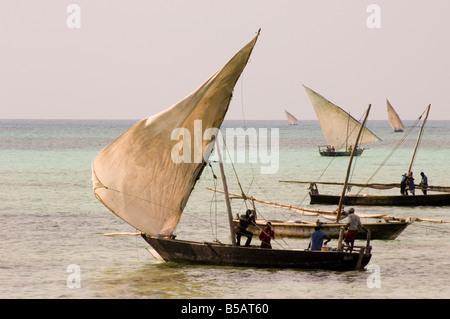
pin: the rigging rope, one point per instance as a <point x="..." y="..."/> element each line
<point x="392" y="151"/>
<point x="243" y="194"/>
<point x="333" y="158"/>
<point x="214" y="199"/>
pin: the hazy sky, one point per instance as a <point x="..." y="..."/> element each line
<point x="132" y="59"/>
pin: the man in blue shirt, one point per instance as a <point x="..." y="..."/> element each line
<point x="317" y="238"/>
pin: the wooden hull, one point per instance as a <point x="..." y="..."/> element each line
<point x="380" y="231"/>
<point x="180" y="251"/>
<point x="341" y="153"/>
<point x="384" y="200"/>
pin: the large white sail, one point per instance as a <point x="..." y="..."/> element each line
<point x="136" y="176"/>
<point x="394" y="119"/>
<point x="291" y="118"/>
<point x="339" y="128"/>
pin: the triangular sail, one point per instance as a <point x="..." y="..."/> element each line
<point x="136" y="176"/>
<point x="291" y="118"/>
<point x="338" y="127"/>
<point x="394" y="119"/>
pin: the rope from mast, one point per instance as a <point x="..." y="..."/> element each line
<point x="419" y="138"/>
<point x="214" y="199"/>
<point x="394" y="149"/>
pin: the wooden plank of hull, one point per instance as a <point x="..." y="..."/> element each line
<point x="384" y="200"/>
<point x="341" y="153"/>
<point x="380" y="231"/>
<point x="181" y="251"/>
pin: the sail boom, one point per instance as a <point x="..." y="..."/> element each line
<point x="331" y="215"/>
<point x="445" y="189"/>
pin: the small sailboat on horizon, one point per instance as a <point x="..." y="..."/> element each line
<point x="291" y="118"/>
<point x="394" y="120"/>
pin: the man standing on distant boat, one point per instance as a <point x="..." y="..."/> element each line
<point x="317" y="238"/>
<point x="354" y="223"/>
<point x="424" y="183"/>
<point x="244" y="221"/>
<point x="410" y="183"/>
<point x="403" y="190"/>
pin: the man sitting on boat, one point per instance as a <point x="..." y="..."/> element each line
<point x="241" y="230"/>
<point x="317" y="238"/>
<point x="313" y="189"/>
<point x="354" y="223"/>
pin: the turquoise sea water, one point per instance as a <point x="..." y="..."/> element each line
<point x="51" y="220"/>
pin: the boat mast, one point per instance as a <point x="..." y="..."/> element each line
<point x="227" y="197"/>
<point x="341" y="200"/>
<point x="418" y="139"/>
<point x="346" y="140"/>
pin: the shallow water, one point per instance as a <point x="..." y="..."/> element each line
<point x="51" y="220"/>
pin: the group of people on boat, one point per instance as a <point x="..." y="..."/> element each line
<point x="317" y="237"/>
<point x="331" y="149"/>
<point x="407" y="184"/>
<point x="354" y="224"/>
<point x="245" y="221"/>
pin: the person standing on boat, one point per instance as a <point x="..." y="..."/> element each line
<point x="403" y="190"/>
<point x="410" y="183"/>
<point x="244" y="221"/>
<point x="317" y="238"/>
<point x="424" y="183"/>
<point x="266" y="235"/>
<point x="354" y="223"/>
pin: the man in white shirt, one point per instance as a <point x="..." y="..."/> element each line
<point x="354" y="222"/>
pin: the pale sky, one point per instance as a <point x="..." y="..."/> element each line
<point x="132" y="59"/>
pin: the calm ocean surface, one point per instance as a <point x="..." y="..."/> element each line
<point x="51" y="221"/>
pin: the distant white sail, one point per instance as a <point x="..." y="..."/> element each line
<point x="394" y="119"/>
<point x="338" y="127"/>
<point x="136" y="177"/>
<point x="291" y="118"/>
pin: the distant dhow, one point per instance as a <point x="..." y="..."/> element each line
<point x="291" y="118"/>
<point x="394" y="119"/>
<point x="339" y="128"/>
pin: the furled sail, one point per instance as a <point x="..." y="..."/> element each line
<point x="394" y="119"/>
<point x="291" y="118"/>
<point x="136" y="176"/>
<point x="339" y="128"/>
